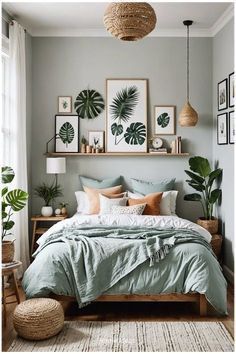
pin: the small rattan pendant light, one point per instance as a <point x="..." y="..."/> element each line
<point x="188" y="116"/>
<point x="129" y="21"/>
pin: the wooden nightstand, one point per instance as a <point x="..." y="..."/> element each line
<point x="216" y="243"/>
<point x="10" y="270"/>
<point x="38" y="230"/>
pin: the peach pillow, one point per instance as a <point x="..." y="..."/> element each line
<point x="113" y="196"/>
<point x="152" y="203"/>
<point x="93" y="196"/>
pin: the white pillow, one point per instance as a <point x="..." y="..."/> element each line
<point x="82" y="202"/>
<point x="107" y="203"/>
<point x="134" y="209"/>
<point x="173" y="198"/>
<point x="165" y="204"/>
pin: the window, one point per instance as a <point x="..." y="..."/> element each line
<point x="5" y="119"/>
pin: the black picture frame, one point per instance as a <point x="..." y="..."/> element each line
<point x="231" y="84"/>
<point x="73" y="119"/>
<point x="222" y="94"/>
<point x="231" y="126"/>
<point x="222" y="130"/>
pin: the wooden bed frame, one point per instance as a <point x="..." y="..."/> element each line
<point x="193" y="297"/>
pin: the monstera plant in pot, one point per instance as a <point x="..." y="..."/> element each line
<point x="12" y="201"/>
<point x="202" y="179"/>
<point x="48" y="193"/>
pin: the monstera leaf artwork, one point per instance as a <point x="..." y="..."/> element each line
<point x="126" y="115"/>
<point x="89" y="104"/>
<point x="67" y="133"/>
<point x="163" y="120"/>
<point x="135" y="134"/>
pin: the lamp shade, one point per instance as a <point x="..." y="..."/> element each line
<point x="56" y="165"/>
<point x="188" y="117"/>
<point x="129" y="21"/>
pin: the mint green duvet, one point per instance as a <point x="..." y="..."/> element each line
<point x="86" y="262"/>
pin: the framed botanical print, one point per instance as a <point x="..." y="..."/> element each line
<point x="231" y="90"/>
<point x="232" y="134"/>
<point x="64" y="104"/>
<point x="222" y="95"/>
<point x="164" y="120"/>
<point x="96" y="138"/>
<point x="126" y="115"/>
<point x="67" y="133"/>
<point x="222" y="129"/>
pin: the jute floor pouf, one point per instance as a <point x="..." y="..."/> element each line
<point x="38" y="319"/>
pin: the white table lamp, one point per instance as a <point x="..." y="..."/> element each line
<point x="56" y="165"/>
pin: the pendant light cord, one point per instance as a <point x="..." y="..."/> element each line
<point x="187" y="63"/>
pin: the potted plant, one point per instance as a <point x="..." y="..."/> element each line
<point x="63" y="208"/>
<point x="202" y="178"/>
<point x="48" y="193"/>
<point x="83" y="144"/>
<point x="12" y="201"/>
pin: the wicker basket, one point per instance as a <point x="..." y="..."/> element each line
<point x="38" y="319"/>
<point x="8" y="250"/>
<point x="129" y="21"/>
<point x="188" y="117"/>
<point x="209" y="225"/>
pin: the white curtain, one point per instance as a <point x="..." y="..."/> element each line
<point x="18" y="135"/>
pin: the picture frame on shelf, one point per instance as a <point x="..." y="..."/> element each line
<point x="222" y="129"/>
<point x="64" y="104"/>
<point x="126" y="115"/>
<point x="232" y="135"/>
<point x="164" y="120"/>
<point x="67" y="131"/>
<point x="222" y="95"/>
<point x="96" y="139"/>
<point x="231" y="90"/>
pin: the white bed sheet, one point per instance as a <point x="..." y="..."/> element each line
<point x="127" y="220"/>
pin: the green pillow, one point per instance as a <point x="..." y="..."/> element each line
<point x="105" y="183"/>
<point x="145" y="188"/>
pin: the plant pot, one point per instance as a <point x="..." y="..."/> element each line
<point x="8" y="250"/>
<point x="47" y="211"/>
<point x="63" y="211"/>
<point x="209" y="225"/>
<point x="83" y="148"/>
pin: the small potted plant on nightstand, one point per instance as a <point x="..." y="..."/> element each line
<point x="202" y="179"/>
<point x="63" y="208"/>
<point x="12" y="201"/>
<point x="48" y="193"/>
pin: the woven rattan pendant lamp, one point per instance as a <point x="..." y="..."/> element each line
<point x="188" y="116"/>
<point x="129" y="21"/>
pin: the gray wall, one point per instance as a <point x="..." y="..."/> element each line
<point x="65" y="66"/>
<point x="223" y="155"/>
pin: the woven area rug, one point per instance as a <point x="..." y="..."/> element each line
<point x="78" y="336"/>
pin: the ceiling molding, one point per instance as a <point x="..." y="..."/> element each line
<point x="227" y="15"/>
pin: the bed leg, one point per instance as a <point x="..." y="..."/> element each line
<point x="202" y="305"/>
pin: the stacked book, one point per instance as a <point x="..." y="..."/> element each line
<point x="176" y="145"/>
<point x="158" y="151"/>
<point x="9" y="265"/>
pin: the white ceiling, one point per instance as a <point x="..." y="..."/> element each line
<point x="86" y="19"/>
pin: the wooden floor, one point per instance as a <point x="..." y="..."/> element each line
<point x="129" y="312"/>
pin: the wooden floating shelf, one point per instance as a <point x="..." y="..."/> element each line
<point x="54" y="154"/>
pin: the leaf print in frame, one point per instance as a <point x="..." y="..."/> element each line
<point x="67" y="133"/>
<point x="126" y="115"/>
<point x="164" y="120"/>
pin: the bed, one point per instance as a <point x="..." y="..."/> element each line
<point x="127" y="258"/>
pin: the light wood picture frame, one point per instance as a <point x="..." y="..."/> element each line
<point x="164" y="119"/>
<point x="126" y="115"/>
<point x="64" y="104"/>
<point x="96" y="139"/>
